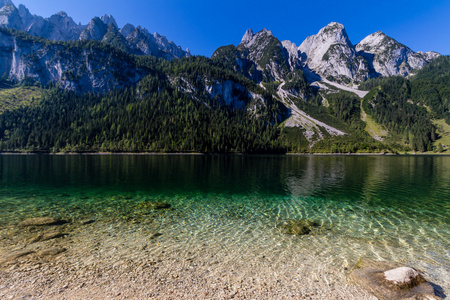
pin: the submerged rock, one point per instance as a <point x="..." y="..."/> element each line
<point x="39" y="221"/>
<point x="154" y="205"/>
<point x="298" y="227"/>
<point x="161" y="205"/>
<point x="51" y="251"/>
<point x="387" y="280"/>
<point x="16" y="255"/>
<point x="47" y="236"/>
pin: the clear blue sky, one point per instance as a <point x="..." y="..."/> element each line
<point x="205" y="25"/>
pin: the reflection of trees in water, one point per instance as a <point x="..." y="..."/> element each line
<point x="313" y="175"/>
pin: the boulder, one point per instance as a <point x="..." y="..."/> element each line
<point x="387" y="280"/>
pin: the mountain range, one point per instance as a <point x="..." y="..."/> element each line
<point x="311" y="91"/>
<point x="61" y="27"/>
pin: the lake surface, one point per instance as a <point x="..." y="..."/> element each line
<point x="381" y="207"/>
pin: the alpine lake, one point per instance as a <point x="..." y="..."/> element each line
<point x="232" y="214"/>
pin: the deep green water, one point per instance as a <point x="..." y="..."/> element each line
<point x="394" y="208"/>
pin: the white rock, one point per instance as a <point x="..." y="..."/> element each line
<point x="401" y="275"/>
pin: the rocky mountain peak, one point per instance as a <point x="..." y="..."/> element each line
<point x="377" y="42"/>
<point x="335" y="33"/>
<point x="251" y="39"/>
<point x="108" y="20"/>
<point x="247" y="36"/>
<point x="127" y="29"/>
<point x="330" y="53"/>
<point x="389" y="57"/>
<point x="95" y="30"/>
<point x="62" y="14"/>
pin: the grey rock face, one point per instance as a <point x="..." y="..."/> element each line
<point x="10" y="17"/>
<point x="70" y="31"/>
<point x="75" y="69"/>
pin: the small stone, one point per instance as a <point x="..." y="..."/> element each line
<point x="38" y="222"/>
<point x="155" y="235"/>
<point x="87" y="221"/>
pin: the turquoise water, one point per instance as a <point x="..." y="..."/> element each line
<point x="391" y="208"/>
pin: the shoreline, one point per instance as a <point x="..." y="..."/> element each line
<point x="217" y="154"/>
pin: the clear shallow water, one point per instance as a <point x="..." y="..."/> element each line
<point x="391" y="208"/>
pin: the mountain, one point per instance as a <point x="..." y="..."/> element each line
<point x="331" y="54"/>
<point x="123" y="89"/>
<point x="61" y="27"/>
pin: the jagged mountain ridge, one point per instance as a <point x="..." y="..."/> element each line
<point x="61" y="27"/>
<point x="329" y="53"/>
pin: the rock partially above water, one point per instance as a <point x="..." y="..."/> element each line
<point x="39" y="222"/>
<point x="403" y="278"/>
<point x="387" y="280"/>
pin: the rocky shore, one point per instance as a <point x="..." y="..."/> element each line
<point x="156" y="253"/>
<point x="122" y="260"/>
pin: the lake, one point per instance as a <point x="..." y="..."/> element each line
<point x="228" y="211"/>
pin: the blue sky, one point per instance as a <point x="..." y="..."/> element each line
<point x="205" y="25"/>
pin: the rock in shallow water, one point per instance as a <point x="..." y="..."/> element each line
<point x="39" y="221"/>
<point x="51" y="251"/>
<point x="298" y="227"/>
<point x="387" y="280"/>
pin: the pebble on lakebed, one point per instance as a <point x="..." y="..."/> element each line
<point x="388" y="280"/>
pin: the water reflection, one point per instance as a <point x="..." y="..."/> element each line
<point x="376" y="180"/>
